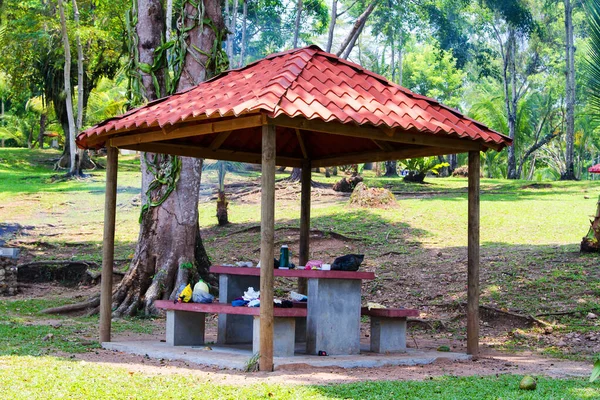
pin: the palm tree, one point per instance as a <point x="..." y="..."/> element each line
<point x="222" y="167"/>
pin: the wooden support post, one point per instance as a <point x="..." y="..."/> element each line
<point x="108" y="243"/>
<point x="473" y="256"/>
<point x="304" y="222"/>
<point x="267" y="238"/>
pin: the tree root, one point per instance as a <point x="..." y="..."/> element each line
<point x="92" y="303"/>
<point x="527" y="318"/>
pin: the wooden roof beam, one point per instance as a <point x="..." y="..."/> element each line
<point x="204" y="152"/>
<point x="375" y="156"/>
<point x="196" y="129"/>
<point x="380" y="134"/>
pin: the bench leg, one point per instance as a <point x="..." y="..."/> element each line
<point x="235" y="328"/>
<point x="333" y="320"/>
<point x="300" y="329"/>
<point x="388" y="335"/>
<point x="283" y="336"/>
<point x="185" y="328"/>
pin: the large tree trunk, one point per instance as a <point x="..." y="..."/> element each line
<point x="156" y="270"/>
<point x="569" y="174"/>
<point x="296" y="175"/>
<point x="68" y="99"/>
<point x="391" y="168"/>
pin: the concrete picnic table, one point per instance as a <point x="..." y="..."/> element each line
<point x="333" y="307"/>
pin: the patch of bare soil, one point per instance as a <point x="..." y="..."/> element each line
<point x="303" y="374"/>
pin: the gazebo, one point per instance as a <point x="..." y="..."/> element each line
<point x="302" y="108"/>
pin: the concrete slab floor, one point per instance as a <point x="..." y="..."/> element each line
<point x="236" y="357"/>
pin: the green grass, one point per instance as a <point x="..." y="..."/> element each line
<point x="49" y="377"/>
<point x="26" y="331"/>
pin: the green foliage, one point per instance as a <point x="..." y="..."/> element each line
<point x="596" y="370"/>
<point x="222" y="167"/>
<point x="423" y="165"/>
<point x="433" y="74"/>
<point x="592" y="61"/>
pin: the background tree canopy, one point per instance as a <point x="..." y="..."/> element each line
<point x="502" y="62"/>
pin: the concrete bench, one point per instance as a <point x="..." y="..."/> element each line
<point x="388" y="328"/>
<point x="186" y="324"/>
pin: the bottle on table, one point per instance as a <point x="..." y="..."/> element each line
<point x="284" y="257"/>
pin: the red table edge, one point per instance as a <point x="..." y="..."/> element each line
<point x="223" y="308"/>
<point x="295" y="273"/>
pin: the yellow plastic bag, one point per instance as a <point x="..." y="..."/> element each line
<point x="186" y="294"/>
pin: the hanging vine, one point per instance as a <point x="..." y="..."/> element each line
<point x="166" y="170"/>
<point x="170" y="55"/>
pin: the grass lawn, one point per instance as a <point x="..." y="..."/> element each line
<point x="28" y="377"/>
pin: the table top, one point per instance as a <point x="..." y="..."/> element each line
<point x="294" y="273"/>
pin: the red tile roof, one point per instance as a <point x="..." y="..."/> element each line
<point x="311" y="84"/>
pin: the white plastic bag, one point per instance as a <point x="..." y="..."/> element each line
<point x="201" y="294"/>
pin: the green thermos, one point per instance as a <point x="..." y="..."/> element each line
<point x="284" y="257"/>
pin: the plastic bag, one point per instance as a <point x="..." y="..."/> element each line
<point x="298" y="296"/>
<point x="184" y="293"/>
<point x="201" y="293"/>
<point x="349" y="262"/>
<point x="251" y="294"/>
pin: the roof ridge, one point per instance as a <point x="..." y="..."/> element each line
<point x="311" y="47"/>
<point x="403" y="89"/>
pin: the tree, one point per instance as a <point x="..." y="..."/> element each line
<point x="511" y="22"/>
<point x="391" y="168"/>
<point x="222" y="167"/>
<point x="160" y="266"/>
<point x="570" y="90"/>
<point x="67" y="81"/>
<point x="350" y="40"/>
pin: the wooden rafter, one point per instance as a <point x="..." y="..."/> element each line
<point x="374" y="156"/>
<point x="204" y="152"/>
<point x="196" y="129"/>
<point x="219" y="140"/>
<point x="302" y="144"/>
<point x="381" y="134"/>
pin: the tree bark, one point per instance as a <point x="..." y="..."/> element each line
<point x="296" y="175"/>
<point x="570" y="92"/>
<point x="243" y="44"/>
<point x="509" y="78"/>
<point x="80" y="91"/>
<point x="297" y="23"/>
<point x="43" y="117"/>
<point x="232" y="27"/>
<point x="69" y="99"/>
<point x="331" y="26"/>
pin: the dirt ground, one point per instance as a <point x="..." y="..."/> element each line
<point x="491" y="362"/>
<point x="487" y="364"/>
